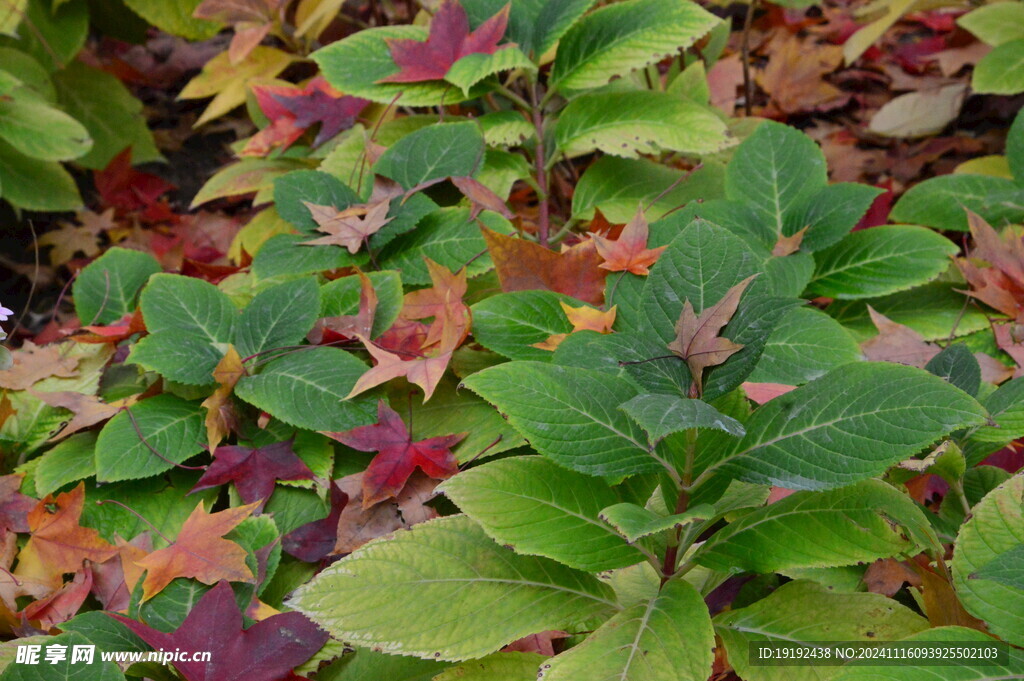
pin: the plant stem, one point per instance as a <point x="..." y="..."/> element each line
<point x="748" y="84"/>
<point x="544" y="216"/>
<point x="668" y="567"/>
<point x="514" y="98"/>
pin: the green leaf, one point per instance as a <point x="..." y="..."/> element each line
<point x="879" y="261"/>
<point x="308" y="389"/>
<point x="189" y="305"/>
<point x="10" y="17"/>
<point x="107" y="289"/>
<point x="31" y="184"/>
<point x="473" y="68"/>
<point x="805" y="345"/>
<point x="936" y="311"/>
<point x="963" y="670"/>
<point x="245" y="177"/>
<point x="448" y="237"/>
<point x="640" y="122"/>
<point x="995" y="24"/>
<point x="179" y="356"/>
<point x="40" y="131"/>
<point x="175" y="17"/>
<point x="1006" y="407"/>
<point x="28" y="72"/>
<point x="341" y="297"/>
<point x="618" y="185"/>
<point x="829" y="214"/>
<point x="662" y="415"/>
<point x="164" y="423"/>
<point x="616" y="39"/>
<point x="996" y="526"/>
<point x="1015" y="148"/>
<point x="364" y="665"/>
<point x="356" y="64"/>
<point x="569" y="415"/>
<point x="849" y="425"/>
<point x="805" y="612"/>
<point x="433" y="153"/>
<point x="957" y="365"/>
<point x="110" y="113"/>
<point x="774" y="171"/>
<point x="285" y="254"/>
<point x="534" y="25"/>
<point x="635" y="522"/>
<point x="72" y="460"/>
<point x="313" y="186"/>
<point x="510" y="323"/>
<point x="480" y="595"/>
<point x="861" y="522"/>
<point x="63" y="670"/>
<point x="108" y="634"/>
<point x="1007" y="568"/>
<point x="278" y="317"/>
<point x="939" y="202"/>
<point x="505" y="128"/>
<point x="537" y="508"/>
<point x="625" y="355"/>
<point x="700" y="265"/>
<point x="667" y="638"/>
<point x="1001" y="71"/>
<point x="508" y="666"/>
<point x="56" y="35"/>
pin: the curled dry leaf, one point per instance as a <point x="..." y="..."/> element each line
<point x="629" y="253"/>
<point x="350" y="227"/>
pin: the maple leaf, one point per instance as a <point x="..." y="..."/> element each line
<point x="629" y="253"/>
<point x="14" y="506"/>
<point x="254" y="471"/>
<point x="219" y="414"/>
<point x="902" y="345"/>
<point x="795" y="75"/>
<point x="697" y="340"/>
<point x="315" y="540"/>
<point x="358" y="525"/>
<point x="582" y="318"/>
<point x="124" y="328"/>
<point x="886" y="576"/>
<point x="1001" y="284"/>
<point x="200" y="552"/>
<point x="266" y="651"/>
<point x="349" y="227"/>
<point x="449" y="41"/>
<point x="62" y="604"/>
<point x="398" y="456"/>
<point x="69" y="240"/>
<point x="251" y="20"/>
<point x="481" y="197"/>
<point x="88" y="410"/>
<point x="328" y="329"/>
<point x="132" y="191"/>
<point x="1010" y="339"/>
<point x="115" y="579"/>
<point x="443" y="300"/>
<point x="787" y="245"/>
<point x="523" y="265"/>
<point x="58" y="544"/>
<point x="424" y="370"/>
<point x="319" y="103"/>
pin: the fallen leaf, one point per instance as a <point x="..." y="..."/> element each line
<point x="443" y="300"/>
<point x="629" y="253"/>
<point x="251" y="20"/>
<point x="220" y="417"/>
<point x="918" y="114"/>
<point x="1010" y="339"/>
<point x="319" y="103"/>
<point x="350" y="227"/>
<point x="523" y="265"/>
<point x="200" y="552"/>
<point x="68" y="241"/>
<point x="582" y="318"/>
<point x="398" y="456"/>
<point x="481" y="197"/>
<point x="14" y="506"/>
<point x="226" y="82"/>
<point x="795" y="75"/>
<point x="131" y="191"/>
<point x="1001" y="284"/>
<point x="787" y="245"/>
<point x="266" y="651"/>
<point x="329" y="329"/>
<point x="888" y="575"/>
<point x="7" y="409"/>
<point x="358" y="525"/>
<point x="63" y="604"/>
<point x="315" y="540"/>
<point x="124" y="328"/>
<point x="255" y="472"/>
<point x="88" y="410"/>
<point x="542" y="643"/>
<point x="941" y="604"/>
<point x="697" y="340"/>
<point x="115" y="579"/>
<point x="57" y="543"/>
<point x="33" y="363"/>
<point x="449" y="40"/>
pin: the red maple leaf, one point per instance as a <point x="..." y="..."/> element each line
<point x="448" y="42"/>
<point x="398" y="455"/>
<point x="14" y="506"/>
<point x="292" y="110"/>
<point x="132" y="191"/>
<point x="313" y="541"/>
<point x="267" y="651"/>
<point x="254" y="471"/>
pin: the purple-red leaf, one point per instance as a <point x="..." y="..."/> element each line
<point x="313" y="541"/>
<point x="266" y="651"/>
<point x="254" y="471"/>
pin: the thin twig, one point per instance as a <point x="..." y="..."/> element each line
<point x="748" y="84"/>
<point x="35" y="276"/>
<point x="150" y="447"/>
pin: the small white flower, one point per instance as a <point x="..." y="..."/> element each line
<point x="5" y="314"/>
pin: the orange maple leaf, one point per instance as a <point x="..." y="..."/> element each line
<point x="523" y="265"/>
<point x="445" y="296"/>
<point x="629" y="253"/>
<point x="58" y="544"/>
<point x="1001" y="285"/>
<point x="200" y="552"/>
<point x="582" y="318"/>
<point x="219" y="415"/>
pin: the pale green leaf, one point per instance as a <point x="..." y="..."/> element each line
<point x="511" y="323"/>
<point x="175" y="17"/>
<point x="537" y="508"/>
<point x="40" y="131"/>
<point x="662" y="415"/>
<point x="997" y="23"/>
<point x="480" y="596"/>
<point x="509" y="666"/>
<point x="473" y="68"/>
<point x="635" y="522"/>
<point x="1001" y="71"/>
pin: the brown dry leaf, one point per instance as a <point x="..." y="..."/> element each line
<point x="1001" y="284"/>
<point x="480" y="197"/>
<point x="697" y="340"/>
<point x="88" y="410"/>
<point x="920" y="113"/>
<point x="33" y="363"/>
<point x="723" y="79"/>
<point x="524" y="265"/>
<point x="941" y="605"/>
<point x="115" y="579"/>
<point x="954" y="59"/>
<point x="1010" y="339"/>
<point x="220" y="417"/>
<point x="443" y="300"/>
<point x="349" y="326"/>
<point x="795" y="75"/>
<point x="358" y="525"/>
<point x="351" y="227"/>
<point x="7" y="409"/>
<point x="888" y="575"/>
<point x="787" y="245"/>
<point x="71" y="239"/>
